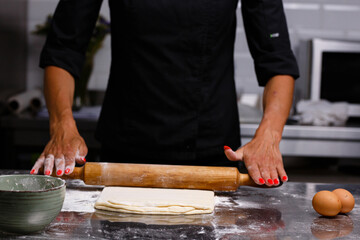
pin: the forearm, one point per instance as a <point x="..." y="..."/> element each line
<point x="59" y="91"/>
<point x="262" y="155"/>
<point x="277" y="102"/>
<point x="65" y="146"/>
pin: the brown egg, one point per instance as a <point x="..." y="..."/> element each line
<point x="326" y="203"/>
<point x="346" y="198"/>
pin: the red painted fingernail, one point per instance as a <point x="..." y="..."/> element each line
<point x="276" y="181"/>
<point x="270" y="181"/>
<point x="67" y="170"/>
<point x="59" y="172"/>
<point x="226" y="147"/>
<point x="32" y="171"/>
<point x="47" y="172"/>
<point x="261" y="181"/>
<point x="284" y="178"/>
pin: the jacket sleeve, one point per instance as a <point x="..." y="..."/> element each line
<point x="268" y="39"/>
<point x="70" y="32"/>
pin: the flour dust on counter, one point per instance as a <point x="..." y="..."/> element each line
<point x="80" y="197"/>
<point x="80" y="201"/>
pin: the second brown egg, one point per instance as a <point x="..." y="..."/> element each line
<point x="346" y="198"/>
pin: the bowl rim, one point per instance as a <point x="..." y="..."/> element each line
<point x="63" y="183"/>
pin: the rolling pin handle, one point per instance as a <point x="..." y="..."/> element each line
<point x="244" y="179"/>
<point x="78" y="173"/>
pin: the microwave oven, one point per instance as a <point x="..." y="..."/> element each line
<point x="335" y="72"/>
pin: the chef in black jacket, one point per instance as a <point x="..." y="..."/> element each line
<point x="171" y="94"/>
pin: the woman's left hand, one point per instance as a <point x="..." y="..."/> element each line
<point x="262" y="155"/>
<point x="262" y="158"/>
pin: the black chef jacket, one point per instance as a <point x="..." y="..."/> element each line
<point x="171" y="93"/>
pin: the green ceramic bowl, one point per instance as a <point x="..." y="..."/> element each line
<point x="28" y="203"/>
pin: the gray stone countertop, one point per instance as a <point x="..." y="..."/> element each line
<point x="249" y="213"/>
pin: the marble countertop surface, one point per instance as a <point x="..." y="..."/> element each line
<point x="249" y="213"/>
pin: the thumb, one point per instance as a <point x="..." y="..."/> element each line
<point x="80" y="155"/>
<point x="234" y="155"/>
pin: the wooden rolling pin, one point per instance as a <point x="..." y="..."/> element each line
<point x="161" y="176"/>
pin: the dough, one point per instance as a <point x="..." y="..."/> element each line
<point x="153" y="219"/>
<point x="155" y="200"/>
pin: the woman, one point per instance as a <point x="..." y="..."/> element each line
<point x="171" y="94"/>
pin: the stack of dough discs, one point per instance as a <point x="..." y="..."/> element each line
<point x="155" y="200"/>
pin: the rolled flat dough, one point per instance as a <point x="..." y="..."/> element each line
<point x="155" y="200"/>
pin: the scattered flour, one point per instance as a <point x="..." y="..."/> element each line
<point x="223" y="201"/>
<point x="228" y="202"/>
<point x="80" y="201"/>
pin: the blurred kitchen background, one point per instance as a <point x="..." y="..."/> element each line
<point x="311" y="153"/>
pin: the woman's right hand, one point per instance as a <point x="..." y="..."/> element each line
<point x="65" y="148"/>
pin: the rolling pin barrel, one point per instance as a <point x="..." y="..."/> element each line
<point x="161" y="176"/>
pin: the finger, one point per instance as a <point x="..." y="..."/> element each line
<point x="234" y="156"/>
<point x="276" y="181"/>
<point x="80" y="157"/>
<point x="69" y="163"/>
<point x="265" y="174"/>
<point x="48" y="164"/>
<point x="38" y="164"/>
<point x="274" y="176"/>
<point x="282" y="174"/>
<point x="60" y="165"/>
<point x="254" y="173"/>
